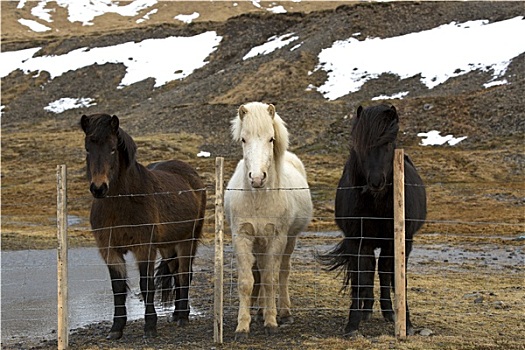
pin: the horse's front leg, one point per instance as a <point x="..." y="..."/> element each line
<point x="386" y="276"/>
<point x="285" y="314"/>
<point x="271" y="263"/>
<point x="387" y="279"/>
<point x="117" y="272"/>
<point x="362" y="280"/>
<point x="243" y="247"/>
<point x="368" y="300"/>
<point x="409" y="327"/>
<point x="146" y="263"/>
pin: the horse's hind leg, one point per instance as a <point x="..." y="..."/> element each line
<point x="255" y="292"/>
<point x="185" y="253"/>
<point x="117" y="272"/>
<point x="285" y="315"/>
<point x="145" y="257"/>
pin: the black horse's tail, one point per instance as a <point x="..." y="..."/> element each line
<point x="165" y="280"/>
<point x="338" y="259"/>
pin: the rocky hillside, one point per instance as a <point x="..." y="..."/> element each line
<point x="200" y="106"/>
<point x="204" y="102"/>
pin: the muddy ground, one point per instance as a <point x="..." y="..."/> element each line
<point x="475" y="189"/>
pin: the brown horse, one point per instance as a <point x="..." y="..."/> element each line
<point x="142" y="210"/>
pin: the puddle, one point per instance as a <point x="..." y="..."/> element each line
<point x="29" y="293"/>
<point x="73" y="220"/>
<point x="442" y="257"/>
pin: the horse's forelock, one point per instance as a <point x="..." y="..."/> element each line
<point x="100" y="128"/>
<point x="257" y="117"/>
<point x="375" y="126"/>
<point x="97" y="126"/>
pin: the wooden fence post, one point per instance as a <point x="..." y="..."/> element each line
<point x="62" y="257"/>
<point x="399" y="244"/>
<point x="219" y="241"/>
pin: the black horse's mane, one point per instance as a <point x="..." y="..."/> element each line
<point x="374" y="126"/>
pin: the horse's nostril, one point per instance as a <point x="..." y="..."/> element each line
<point x="250" y="174"/>
<point x="264" y="175"/>
<point x="100" y="191"/>
<point x="376" y="182"/>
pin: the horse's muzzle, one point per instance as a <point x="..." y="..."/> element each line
<point x="258" y="181"/>
<point x="376" y="183"/>
<point x="99" y="191"/>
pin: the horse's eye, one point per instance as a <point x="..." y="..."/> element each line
<point x="113" y="151"/>
<point x="272" y="139"/>
<point x="243" y="140"/>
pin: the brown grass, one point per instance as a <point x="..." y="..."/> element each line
<point x="470" y="198"/>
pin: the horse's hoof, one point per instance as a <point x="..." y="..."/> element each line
<point x="366" y="315"/>
<point x="114" y="335"/>
<point x="152" y="333"/>
<point x="351" y="334"/>
<point x="240" y="336"/>
<point x="389" y="316"/>
<point x="182" y="322"/>
<point x="172" y="318"/>
<point x="286" y="320"/>
<point x="270" y="330"/>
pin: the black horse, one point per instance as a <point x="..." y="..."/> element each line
<point x="364" y="211"/>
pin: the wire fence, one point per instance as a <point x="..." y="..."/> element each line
<point x="471" y="263"/>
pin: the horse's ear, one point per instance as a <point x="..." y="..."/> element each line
<point x="359" y="111"/>
<point x="394" y="112"/>
<point x="84" y="122"/>
<point x="242" y="111"/>
<point x="114" y="123"/>
<point x="271" y="110"/>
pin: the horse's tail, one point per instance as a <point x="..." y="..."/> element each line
<point x="338" y="259"/>
<point x="165" y="281"/>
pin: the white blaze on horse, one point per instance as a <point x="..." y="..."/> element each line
<point x="267" y="204"/>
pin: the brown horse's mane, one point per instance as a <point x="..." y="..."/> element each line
<point x="126" y="146"/>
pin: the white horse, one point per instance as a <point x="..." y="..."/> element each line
<point x="267" y="205"/>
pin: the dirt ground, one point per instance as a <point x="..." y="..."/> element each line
<point x="475" y="189"/>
